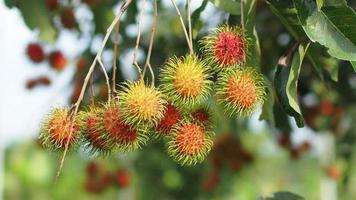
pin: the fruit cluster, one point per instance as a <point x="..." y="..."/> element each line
<point x="175" y="111"/>
<point x="98" y="178"/>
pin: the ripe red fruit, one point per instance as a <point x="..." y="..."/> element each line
<point x="42" y="80"/>
<point x="93" y="186"/>
<point x="203" y="116"/>
<point x="52" y="4"/>
<point x="170" y="118"/>
<point x="122" y="178"/>
<point x="225" y="48"/>
<point x="57" y="60"/>
<point x="306" y="146"/>
<point x="68" y="18"/>
<point x="92" y="169"/>
<point x="35" y="52"/>
<point x="326" y="108"/>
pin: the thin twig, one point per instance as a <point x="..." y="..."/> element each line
<point x="106" y="78"/>
<point x="183" y="26"/>
<point x="149" y="53"/>
<point x="114" y="69"/>
<point x="92" y="89"/>
<point x="189" y="2"/>
<point x="135" y="62"/>
<point x="75" y="107"/>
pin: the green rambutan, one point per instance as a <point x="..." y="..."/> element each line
<point x="240" y="91"/>
<point x="225" y="48"/>
<point x="189" y="143"/>
<point x="141" y="105"/>
<point x="59" y="129"/>
<point x="185" y="80"/>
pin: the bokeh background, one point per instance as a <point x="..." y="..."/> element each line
<point x="250" y="159"/>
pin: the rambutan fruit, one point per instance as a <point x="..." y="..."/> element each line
<point x="35" y="52"/>
<point x="225" y="48"/>
<point x="125" y="137"/>
<point x="202" y="115"/>
<point x="94" y="132"/>
<point x="57" y="60"/>
<point x="189" y="143"/>
<point x="52" y="4"/>
<point x="59" y="128"/>
<point x="68" y="18"/>
<point x="240" y="91"/>
<point x="185" y="80"/>
<point x="122" y="178"/>
<point x="171" y="117"/>
<point x="141" y="105"/>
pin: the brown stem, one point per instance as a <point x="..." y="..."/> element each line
<point x="75" y="107"/>
<point x="149" y="53"/>
<point x="135" y="62"/>
<point x="183" y="26"/>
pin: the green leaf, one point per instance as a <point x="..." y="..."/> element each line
<point x="284" y="196"/>
<point x="267" y="108"/>
<point x="10" y="3"/>
<point x="230" y="6"/>
<point x="353" y="63"/>
<point x="286" y="83"/>
<point x="197" y="24"/>
<point x="37" y="16"/>
<point x="103" y="16"/>
<point x="320" y="4"/>
<point x="254" y="57"/>
<point x="332" y="27"/>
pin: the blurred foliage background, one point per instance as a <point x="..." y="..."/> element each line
<point x="251" y="159"/>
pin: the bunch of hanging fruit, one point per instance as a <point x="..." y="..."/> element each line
<point x="175" y="111"/>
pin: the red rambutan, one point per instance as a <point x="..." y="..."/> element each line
<point x="35" y="52"/>
<point x="57" y="60"/>
<point x="68" y="18"/>
<point x="225" y="48"/>
<point x="52" y="4"/>
<point x="170" y="118"/>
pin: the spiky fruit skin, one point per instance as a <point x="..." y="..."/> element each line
<point x="57" y="60"/>
<point x="171" y="117"/>
<point x="68" y="18"/>
<point x="185" y="80"/>
<point x="58" y="129"/>
<point x="35" y="52"/>
<point x="225" y="48"/>
<point x="189" y="143"/>
<point x="240" y="91"/>
<point x="203" y="115"/>
<point x="141" y="105"/>
<point x="94" y="131"/>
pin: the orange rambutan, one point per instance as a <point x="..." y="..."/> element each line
<point x="185" y="80"/>
<point x="60" y="129"/>
<point x="240" y="91"/>
<point x="225" y="47"/>
<point x="57" y="60"/>
<point x="189" y="143"/>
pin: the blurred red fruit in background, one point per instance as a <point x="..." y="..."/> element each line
<point x="52" y="4"/>
<point x="35" y="52"/>
<point x="57" y="60"/>
<point x="68" y="18"/>
<point x="122" y="178"/>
